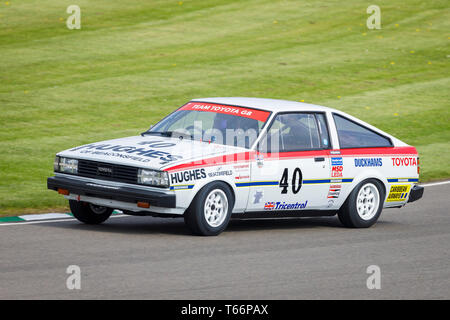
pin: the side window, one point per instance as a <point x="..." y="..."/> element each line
<point x="353" y="135"/>
<point x="292" y="132"/>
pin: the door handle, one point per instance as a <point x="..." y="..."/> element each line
<point x="319" y="159"/>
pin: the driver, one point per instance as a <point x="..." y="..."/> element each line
<point x="295" y="134"/>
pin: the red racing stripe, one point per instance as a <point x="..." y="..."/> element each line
<point x="385" y="151"/>
<point x="296" y="154"/>
<point x="215" y="161"/>
<point x="250" y="156"/>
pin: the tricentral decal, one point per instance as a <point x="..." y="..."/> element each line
<point x="406" y="162"/>
<point x="141" y="154"/>
<point x="369" y="162"/>
<point x="285" y="206"/>
<point x="185" y="176"/>
<point x="232" y="110"/>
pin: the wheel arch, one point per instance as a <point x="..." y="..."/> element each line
<point x="371" y="175"/>
<point x="227" y="183"/>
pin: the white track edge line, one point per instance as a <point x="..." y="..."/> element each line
<point x="435" y="183"/>
<point x="54" y="220"/>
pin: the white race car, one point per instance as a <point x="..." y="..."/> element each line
<point x="247" y="157"/>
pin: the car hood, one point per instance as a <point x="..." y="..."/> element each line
<point x="148" y="151"/>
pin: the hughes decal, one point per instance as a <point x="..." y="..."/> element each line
<point x="369" y="162"/>
<point x="134" y="153"/>
<point x="400" y="162"/>
<point x="284" y="206"/>
<point x="185" y="176"/>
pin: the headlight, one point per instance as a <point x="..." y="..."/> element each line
<point x="66" y="165"/>
<point x="56" y="164"/>
<point x="153" y="178"/>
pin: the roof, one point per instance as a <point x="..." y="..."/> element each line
<point x="276" y="105"/>
<point x="265" y="104"/>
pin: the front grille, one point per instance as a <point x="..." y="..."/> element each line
<point x="107" y="171"/>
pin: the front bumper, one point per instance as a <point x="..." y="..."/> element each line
<point x="119" y="193"/>
<point x="416" y="193"/>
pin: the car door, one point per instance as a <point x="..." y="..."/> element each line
<point x="292" y="166"/>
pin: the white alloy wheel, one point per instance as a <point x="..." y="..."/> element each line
<point x="367" y="201"/>
<point x="216" y="208"/>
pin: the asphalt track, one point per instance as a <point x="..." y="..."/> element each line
<point x="311" y="258"/>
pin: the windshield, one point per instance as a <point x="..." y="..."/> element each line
<point x="214" y="123"/>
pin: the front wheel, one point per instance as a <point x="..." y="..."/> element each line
<point x="210" y="210"/>
<point x="363" y="206"/>
<point x="89" y="213"/>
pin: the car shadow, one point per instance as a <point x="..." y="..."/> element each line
<point x="129" y="225"/>
<point x="176" y="226"/>
<point x="283" y="223"/>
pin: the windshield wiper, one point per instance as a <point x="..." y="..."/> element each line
<point x="160" y="133"/>
<point x="169" y="134"/>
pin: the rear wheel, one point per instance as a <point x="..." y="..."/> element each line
<point x="363" y="206"/>
<point x="210" y="210"/>
<point x="89" y="213"/>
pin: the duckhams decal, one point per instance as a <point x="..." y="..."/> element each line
<point x="129" y="152"/>
<point x="368" y="162"/>
<point x="284" y="206"/>
<point x="404" y="162"/>
<point x="398" y="192"/>
<point x="185" y="176"/>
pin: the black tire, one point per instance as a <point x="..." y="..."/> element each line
<point x="195" y="216"/>
<point x="348" y="214"/>
<point x="89" y="213"/>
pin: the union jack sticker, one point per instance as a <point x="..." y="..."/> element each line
<point x="269" y="205"/>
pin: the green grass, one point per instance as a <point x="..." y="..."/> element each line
<point x="133" y="62"/>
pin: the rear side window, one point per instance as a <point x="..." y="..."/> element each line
<point x="353" y="135"/>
